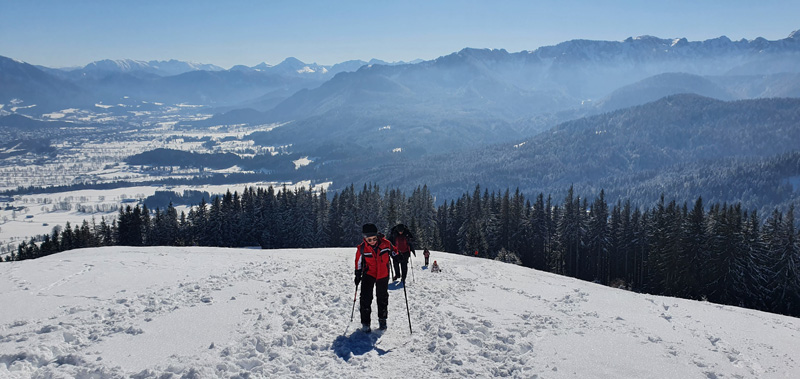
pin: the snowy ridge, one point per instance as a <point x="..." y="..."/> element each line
<point x="162" y="68"/>
<point x="212" y="312"/>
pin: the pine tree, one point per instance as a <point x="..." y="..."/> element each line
<point x="172" y="228"/>
<point x="214" y="227"/>
<point x="321" y="237"/>
<point x="598" y="240"/>
<point x="694" y="250"/>
<point x="67" y="238"/>
<point x="334" y="224"/>
<point x="784" y="253"/>
<point x="198" y="219"/>
<point x="569" y="231"/>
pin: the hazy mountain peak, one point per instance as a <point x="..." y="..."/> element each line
<point x="291" y="61"/>
<point x="482" y="52"/>
<point x="795" y="35"/>
<point x="9" y="61"/>
<point x="162" y="68"/>
<point x="260" y="66"/>
<point x="122" y="65"/>
<point x="680" y="42"/>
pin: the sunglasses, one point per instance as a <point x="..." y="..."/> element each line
<point x="372" y="239"/>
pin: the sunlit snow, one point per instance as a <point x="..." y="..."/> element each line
<point x="212" y="312"/>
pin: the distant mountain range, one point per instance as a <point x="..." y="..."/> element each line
<point x="357" y="119"/>
<point x="490" y="83"/>
<point x="261" y="86"/>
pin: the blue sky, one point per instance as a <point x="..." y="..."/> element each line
<point x="71" y="33"/>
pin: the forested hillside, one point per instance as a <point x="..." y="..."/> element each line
<point x="683" y="145"/>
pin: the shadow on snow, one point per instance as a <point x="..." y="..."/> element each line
<point x="358" y="343"/>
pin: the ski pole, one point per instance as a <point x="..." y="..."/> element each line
<point x="407" y="311"/>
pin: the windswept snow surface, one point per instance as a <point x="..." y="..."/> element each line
<point x="236" y="313"/>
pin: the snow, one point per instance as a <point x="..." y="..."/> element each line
<point x="304" y="161"/>
<point x="15" y="109"/>
<point x="397" y="150"/>
<point x="212" y="312"/>
<point x="54" y="115"/>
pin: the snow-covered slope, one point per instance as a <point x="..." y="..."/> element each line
<point x="236" y="313"/>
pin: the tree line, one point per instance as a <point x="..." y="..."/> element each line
<point x="720" y="252"/>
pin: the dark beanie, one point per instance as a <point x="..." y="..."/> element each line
<point x="369" y="230"/>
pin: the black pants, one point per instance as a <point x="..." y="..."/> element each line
<point x="401" y="264"/>
<point x="426" y="261"/>
<point x="382" y="293"/>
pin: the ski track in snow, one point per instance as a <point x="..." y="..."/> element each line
<point x="237" y="313"/>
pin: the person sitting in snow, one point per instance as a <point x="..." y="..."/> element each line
<point x="402" y="239"/>
<point x="372" y="268"/>
<point x="435" y="267"/>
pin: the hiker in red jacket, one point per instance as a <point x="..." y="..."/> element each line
<point x="403" y="241"/>
<point x="372" y="268"/>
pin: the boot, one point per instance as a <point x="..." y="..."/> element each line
<point x="365" y="328"/>
<point x="383" y="323"/>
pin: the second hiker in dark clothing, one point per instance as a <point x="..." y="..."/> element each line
<point x="427" y="255"/>
<point x="403" y="241"/>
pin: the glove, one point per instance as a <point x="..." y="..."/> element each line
<point x="358" y="277"/>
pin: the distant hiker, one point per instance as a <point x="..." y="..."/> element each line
<point x="426" y="254"/>
<point x="435" y="267"/>
<point x="403" y="241"/>
<point x="372" y="270"/>
<point x="476" y="253"/>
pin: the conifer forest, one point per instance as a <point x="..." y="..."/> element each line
<point x="718" y="252"/>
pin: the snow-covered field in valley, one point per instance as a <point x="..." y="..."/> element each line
<point x="237" y="313"/>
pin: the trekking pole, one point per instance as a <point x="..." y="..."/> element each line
<point x="355" y="297"/>
<point x="407" y="311"/>
<point x="353" y="312"/>
<point x="412" y="268"/>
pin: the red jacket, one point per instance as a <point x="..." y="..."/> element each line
<point x="375" y="262"/>
<point x="401" y="242"/>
